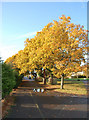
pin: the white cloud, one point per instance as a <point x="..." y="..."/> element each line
<point x="20" y="37"/>
<point x="26" y="35"/>
<point x="7" y="51"/>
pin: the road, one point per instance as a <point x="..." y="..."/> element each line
<point x="32" y="105"/>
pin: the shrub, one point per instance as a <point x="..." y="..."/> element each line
<point x="8" y="79"/>
<point x="18" y="78"/>
<point x="81" y="76"/>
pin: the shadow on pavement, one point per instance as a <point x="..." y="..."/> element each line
<point x="29" y="104"/>
<point x="34" y="106"/>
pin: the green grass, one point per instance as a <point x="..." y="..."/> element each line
<point x="75" y="79"/>
<point x="73" y="87"/>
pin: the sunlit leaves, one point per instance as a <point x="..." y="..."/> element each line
<point x="59" y="46"/>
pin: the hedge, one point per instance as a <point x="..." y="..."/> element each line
<point x="10" y="79"/>
<point x="18" y="79"/>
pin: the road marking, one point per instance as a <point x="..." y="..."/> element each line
<point x="37" y="107"/>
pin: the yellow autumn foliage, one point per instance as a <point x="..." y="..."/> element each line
<point x="59" y="46"/>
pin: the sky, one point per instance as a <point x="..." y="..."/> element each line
<point x="21" y="20"/>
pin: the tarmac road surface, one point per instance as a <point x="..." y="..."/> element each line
<point x="31" y="105"/>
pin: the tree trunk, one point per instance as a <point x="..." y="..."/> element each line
<point x="44" y="78"/>
<point x="87" y="76"/>
<point x="35" y="79"/>
<point x="62" y="81"/>
<point x="77" y="75"/>
<point x="52" y="78"/>
<point x="87" y="73"/>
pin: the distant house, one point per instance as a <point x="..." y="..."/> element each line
<point x="76" y="75"/>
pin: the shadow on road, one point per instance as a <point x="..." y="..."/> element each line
<point x="29" y="104"/>
<point x="50" y="107"/>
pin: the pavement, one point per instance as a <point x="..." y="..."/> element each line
<point x="29" y="104"/>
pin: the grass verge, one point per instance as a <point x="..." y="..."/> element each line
<point x="71" y="79"/>
<point x="73" y="87"/>
<point x="70" y="87"/>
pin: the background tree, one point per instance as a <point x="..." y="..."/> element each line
<point x="11" y="61"/>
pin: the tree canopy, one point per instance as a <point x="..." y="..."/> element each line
<point x="60" y="46"/>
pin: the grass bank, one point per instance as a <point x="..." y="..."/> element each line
<point x="71" y="79"/>
<point x="73" y="87"/>
<point x="70" y="86"/>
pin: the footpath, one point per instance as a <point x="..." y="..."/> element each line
<point x="30" y="104"/>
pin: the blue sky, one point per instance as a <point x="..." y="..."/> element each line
<point x="21" y="20"/>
